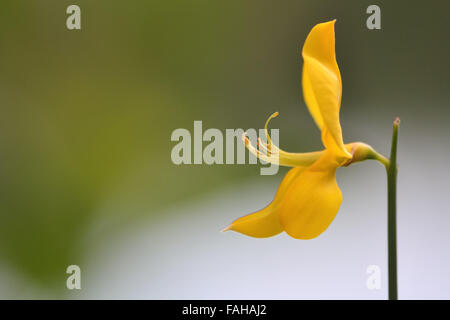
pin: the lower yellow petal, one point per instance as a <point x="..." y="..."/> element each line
<point x="265" y="223"/>
<point x="312" y="200"/>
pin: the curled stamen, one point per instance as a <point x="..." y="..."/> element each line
<point x="269" y="145"/>
<point x="273" y="115"/>
<point x="269" y="152"/>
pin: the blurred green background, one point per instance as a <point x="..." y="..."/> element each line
<point x="86" y="115"/>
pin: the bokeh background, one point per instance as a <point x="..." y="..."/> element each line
<point x="85" y="171"/>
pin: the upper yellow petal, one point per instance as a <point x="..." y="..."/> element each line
<point x="265" y="223"/>
<point x="322" y="85"/>
<point x="310" y="99"/>
<point x="312" y="200"/>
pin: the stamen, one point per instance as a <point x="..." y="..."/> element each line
<point x="268" y="158"/>
<point x="269" y="145"/>
<point x="273" y="115"/>
<point x="262" y="145"/>
<point x="269" y="152"/>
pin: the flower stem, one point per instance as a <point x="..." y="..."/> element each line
<point x="392" y="214"/>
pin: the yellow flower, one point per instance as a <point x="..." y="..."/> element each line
<point x="309" y="198"/>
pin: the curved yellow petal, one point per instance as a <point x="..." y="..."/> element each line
<point x="310" y="99"/>
<point x="322" y="85"/>
<point x="312" y="200"/>
<point x="265" y="223"/>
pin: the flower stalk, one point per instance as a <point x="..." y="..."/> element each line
<point x="391" y="170"/>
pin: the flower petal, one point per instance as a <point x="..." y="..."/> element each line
<point x="322" y="84"/>
<point x="265" y="223"/>
<point x="312" y="200"/>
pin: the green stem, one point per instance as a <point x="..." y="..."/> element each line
<point x="392" y="214"/>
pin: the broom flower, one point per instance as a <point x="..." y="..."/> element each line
<point x="308" y="197"/>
